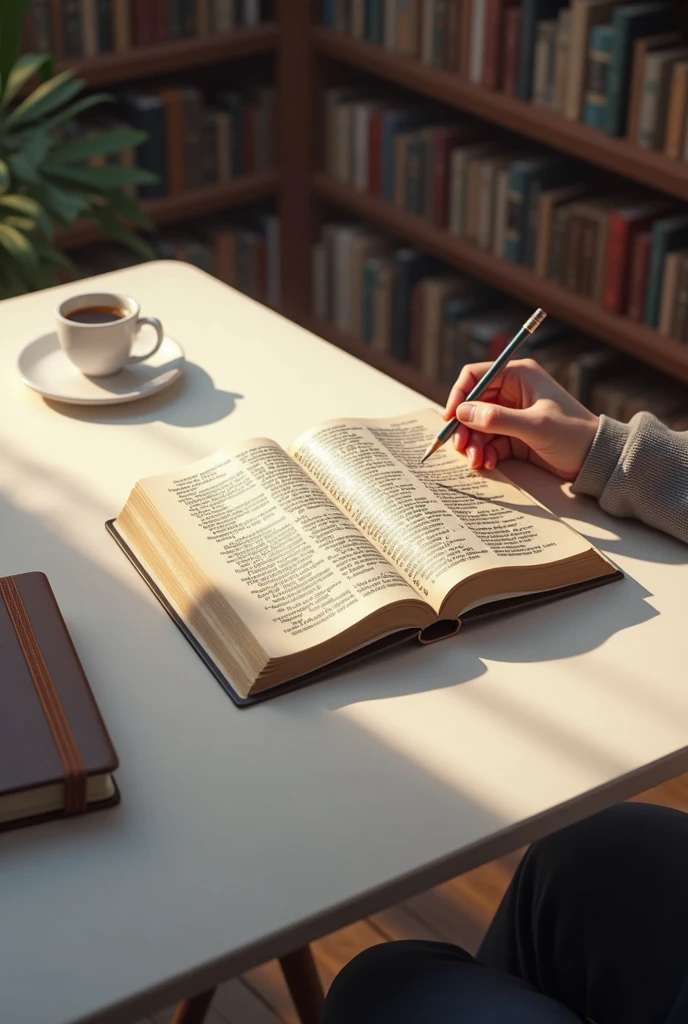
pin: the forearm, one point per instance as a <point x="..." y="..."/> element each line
<point x="639" y="469"/>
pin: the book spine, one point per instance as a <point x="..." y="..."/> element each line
<point x="368" y="299"/>
<point x="617" y="264"/>
<point x="89" y="28"/>
<point x="106" y="33"/>
<point x="655" y="275"/>
<point x="512" y="42"/>
<point x="492" y="58"/>
<point x="678" y="108"/>
<point x="406" y="269"/>
<point x="526" y="57"/>
<point x="561" y="59"/>
<point x="414" y="177"/>
<point x="640" y="265"/>
<point x="475" y="71"/>
<point x="558" y="244"/>
<point x="439" y="33"/>
<point x="450" y="60"/>
<point x="122" y="25"/>
<point x="390" y="25"/>
<point x="667" y="306"/>
<point x="578" y="49"/>
<point x="599" y="55"/>
<point x="680" y="322"/>
<point x="152" y="153"/>
<point x="626" y="28"/>
<point x="649" y="113"/>
<point x="517" y="216"/>
<point x="72" y="28"/>
<point x="375" y="153"/>
<point x="438" y="166"/>
<point x="41" y="26"/>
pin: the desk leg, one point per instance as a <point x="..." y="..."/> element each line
<point x="301" y="976"/>
<point x="193" y="1011"/>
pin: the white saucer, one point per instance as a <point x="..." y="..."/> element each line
<point x="44" y="367"/>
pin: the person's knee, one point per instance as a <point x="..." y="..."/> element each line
<point x="629" y="831"/>
<point x="373" y="978"/>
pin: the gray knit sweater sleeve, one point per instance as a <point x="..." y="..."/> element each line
<point x="639" y="469"/>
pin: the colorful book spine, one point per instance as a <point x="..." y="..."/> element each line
<point x="599" y="57"/>
<point x="667" y="234"/>
<point x="410" y="266"/>
<point x="105" y="26"/>
<point x="534" y="11"/>
<point x="512" y="42"/>
<point x="629" y="22"/>
<point x="71" y="15"/>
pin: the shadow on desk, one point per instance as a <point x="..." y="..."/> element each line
<point x="611" y="535"/>
<point x="191" y="401"/>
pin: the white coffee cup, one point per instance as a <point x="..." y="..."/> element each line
<point x="102" y="348"/>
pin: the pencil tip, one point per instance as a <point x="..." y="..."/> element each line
<point x="430" y="450"/>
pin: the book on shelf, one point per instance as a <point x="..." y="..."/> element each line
<point x="630" y="23"/>
<point x="597" y="82"/>
<point x="85" y="29"/>
<point x="594" y="61"/>
<point x="277" y="565"/>
<point x="56" y="758"/>
<point x="192" y="143"/>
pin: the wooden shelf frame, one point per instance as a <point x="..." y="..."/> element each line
<point x="195" y="203"/>
<point x="648" y="167"/>
<point x="624" y="334"/>
<point x="177" y="55"/>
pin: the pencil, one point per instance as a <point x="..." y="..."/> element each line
<point x="529" y="327"/>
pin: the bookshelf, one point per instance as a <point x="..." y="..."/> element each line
<point x="329" y="57"/>
<point x="630" y="337"/>
<point x="616" y="155"/>
<point x="186" y="205"/>
<point x="173" y="57"/>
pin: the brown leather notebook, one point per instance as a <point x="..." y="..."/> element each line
<point x="56" y="757"/>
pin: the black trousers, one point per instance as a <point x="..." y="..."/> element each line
<point x="593" y="926"/>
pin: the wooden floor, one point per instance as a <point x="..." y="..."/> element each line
<point x="458" y="911"/>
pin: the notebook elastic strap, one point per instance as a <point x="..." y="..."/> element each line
<point x="72" y="763"/>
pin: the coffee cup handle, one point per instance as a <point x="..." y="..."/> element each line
<point x="155" y="323"/>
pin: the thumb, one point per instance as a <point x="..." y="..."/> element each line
<point x="498" y="419"/>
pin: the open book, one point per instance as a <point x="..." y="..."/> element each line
<point x="276" y="564"/>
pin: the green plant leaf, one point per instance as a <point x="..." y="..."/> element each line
<point x="18" y="246"/>
<point x="46" y="98"/>
<point x="35" y="146"/>
<point x="28" y="65"/>
<point x="22" y="169"/>
<point x="50" y="254"/>
<point x="78" y="107"/>
<point x="12" y="16"/>
<point x="125" y="208"/>
<point x="4" y="176"/>
<point x="64" y="205"/>
<point x="20" y="223"/>
<point x="98" y="145"/>
<point x="100" y="178"/>
<point x="28" y="207"/>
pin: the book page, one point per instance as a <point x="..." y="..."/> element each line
<point x="438" y="523"/>
<point x="291" y="565"/>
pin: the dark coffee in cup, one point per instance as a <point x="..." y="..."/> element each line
<point x="97" y="315"/>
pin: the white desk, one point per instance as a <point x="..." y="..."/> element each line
<point x="244" y="834"/>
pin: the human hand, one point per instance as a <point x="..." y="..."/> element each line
<point x="524" y="414"/>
